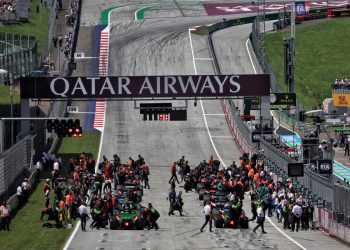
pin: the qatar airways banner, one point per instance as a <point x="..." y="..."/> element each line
<point x="145" y="86"/>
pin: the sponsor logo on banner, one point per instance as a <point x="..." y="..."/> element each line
<point x="145" y="86"/>
<point x="320" y="166"/>
<point x="325" y="167"/>
<point x="341" y="100"/>
<point x="302" y="8"/>
<point x="257" y="135"/>
<point x="277" y="101"/>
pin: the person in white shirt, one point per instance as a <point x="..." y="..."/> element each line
<point x="56" y="166"/>
<point x="261" y="218"/>
<point x="19" y="194"/>
<point x="208" y="217"/>
<point x="83" y="215"/>
<point x="296" y="214"/>
<point x="232" y="197"/>
<point x="47" y="197"/>
<point x="25" y="190"/>
<point x="52" y="159"/>
<point x="38" y="169"/>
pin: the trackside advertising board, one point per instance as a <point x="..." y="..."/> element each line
<point x="145" y="86"/>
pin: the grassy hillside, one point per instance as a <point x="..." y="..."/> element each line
<point x="321" y="56"/>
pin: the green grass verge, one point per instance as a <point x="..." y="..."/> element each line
<point x="26" y="228"/>
<point x="320" y="58"/>
<point x="5" y="100"/>
<point x="37" y="24"/>
<point x="69" y="146"/>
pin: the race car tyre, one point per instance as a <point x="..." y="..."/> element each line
<point x="201" y="194"/>
<point x="244" y="222"/>
<point x="139" y="194"/>
<point x="199" y="187"/>
<point x="141" y="189"/>
<point x="219" y="224"/>
<point x="139" y="225"/>
<point x="112" y="223"/>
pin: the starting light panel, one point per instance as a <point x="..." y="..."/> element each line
<point x="65" y="128"/>
<point x="162" y="112"/>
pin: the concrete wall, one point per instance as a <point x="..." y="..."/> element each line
<point x="325" y="221"/>
<point x="14" y="161"/>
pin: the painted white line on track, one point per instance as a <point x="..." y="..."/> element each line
<point x="204" y="59"/>
<point x="210" y="136"/>
<point x="201" y="102"/>
<point x="194" y="61"/>
<point x="214" y="114"/>
<point x="268" y="219"/>
<point x="71" y="237"/>
<point x="221" y="136"/>
<point x="137" y="11"/>
<point x="286" y="235"/>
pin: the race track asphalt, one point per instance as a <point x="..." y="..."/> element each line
<point x="163" y="47"/>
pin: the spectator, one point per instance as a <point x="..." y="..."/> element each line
<point x="7" y="6"/>
<point x="47" y="193"/>
<point x="5" y="213"/>
<point x="25" y="190"/>
<point x="60" y="41"/>
<point x="346" y="148"/>
<point x="56" y="166"/>
<point x="19" y="195"/>
<point x="54" y="40"/>
<point x="38" y="169"/>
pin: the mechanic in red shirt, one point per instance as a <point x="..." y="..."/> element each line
<point x="173" y="173"/>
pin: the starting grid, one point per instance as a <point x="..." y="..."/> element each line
<point x="250" y="8"/>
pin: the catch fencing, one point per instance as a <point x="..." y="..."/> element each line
<point x="18" y="55"/>
<point x="17" y="163"/>
<point x="46" y="45"/>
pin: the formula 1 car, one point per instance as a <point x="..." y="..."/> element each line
<point x="127" y="219"/>
<point x="222" y="218"/>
